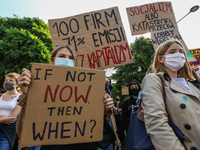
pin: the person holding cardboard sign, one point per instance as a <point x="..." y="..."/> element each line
<point x="64" y="56"/>
<point x="9" y="111"/>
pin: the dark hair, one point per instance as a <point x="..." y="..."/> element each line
<point x="108" y="79"/>
<point x="135" y="82"/>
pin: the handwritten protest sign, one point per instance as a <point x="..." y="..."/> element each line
<point x="64" y="106"/>
<point x="98" y="37"/>
<point x="196" y="54"/>
<point x="159" y="20"/>
<point x="197" y="70"/>
<point x="125" y="91"/>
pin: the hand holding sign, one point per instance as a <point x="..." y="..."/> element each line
<point x="24" y="80"/>
<point x="108" y="104"/>
<point x="65" y="109"/>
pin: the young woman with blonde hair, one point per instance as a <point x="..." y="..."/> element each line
<point x="182" y="104"/>
<point x="9" y="111"/>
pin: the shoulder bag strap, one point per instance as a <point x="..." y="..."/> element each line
<point x="163" y="89"/>
<point x="163" y="94"/>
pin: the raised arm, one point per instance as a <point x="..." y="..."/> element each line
<point x="24" y="80"/>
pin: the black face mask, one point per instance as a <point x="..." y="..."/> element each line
<point x="134" y="92"/>
<point x="117" y="99"/>
<point x="8" y="85"/>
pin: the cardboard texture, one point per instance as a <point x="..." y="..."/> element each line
<point x="125" y="91"/>
<point x="159" y="20"/>
<point x="197" y="70"/>
<point x="196" y="54"/>
<point x="98" y="37"/>
<point x="64" y="106"/>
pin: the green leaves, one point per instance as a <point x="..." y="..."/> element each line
<point x="142" y="52"/>
<point x="23" y="41"/>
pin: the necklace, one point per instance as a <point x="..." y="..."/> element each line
<point x="12" y="97"/>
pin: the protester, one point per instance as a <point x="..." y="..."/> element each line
<point x="182" y="99"/>
<point x="118" y="104"/>
<point x="129" y="104"/>
<point x="9" y="111"/>
<point x="108" y="88"/>
<point x="64" y="56"/>
<point x="118" y="118"/>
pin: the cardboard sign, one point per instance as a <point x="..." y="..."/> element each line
<point x="197" y="70"/>
<point x="159" y="20"/>
<point x="125" y="91"/>
<point x="64" y="106"/>
<point x="196" y="54"/>
<point x="98" y="37"/>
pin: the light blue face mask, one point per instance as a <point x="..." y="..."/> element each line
<point x="64" y="62"/>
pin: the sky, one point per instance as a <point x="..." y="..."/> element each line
<point x="54" y="9"/>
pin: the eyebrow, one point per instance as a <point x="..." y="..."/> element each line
<point x="174" y="49"/>
<point x="64" y="54"/>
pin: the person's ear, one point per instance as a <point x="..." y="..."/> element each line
<point x="52" y="60"/>
<point x="161" y="59"/>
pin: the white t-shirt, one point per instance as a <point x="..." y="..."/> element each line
<point x="7" y="107"/>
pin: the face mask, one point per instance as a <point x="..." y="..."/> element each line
<point x="8" y="85"/>
<point x="64" y="62"/>
<point x="175" y="61"/>
<point x="117" y="99"/>
<point x="134" y="91"/>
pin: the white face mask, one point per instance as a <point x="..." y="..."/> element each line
<point x="64" y="62"/>
<point x="174" y="61"/>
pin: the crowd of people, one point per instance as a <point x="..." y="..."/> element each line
<point x="181" y="103"/>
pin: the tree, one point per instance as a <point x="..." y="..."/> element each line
<point x="142" y="51"/>
<point x="23" y="41"/>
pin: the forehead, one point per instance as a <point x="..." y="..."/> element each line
<point x="63" y="51"/>
<point x="10" y="78"/>
<point x="134" y="86"/>
<point x="175" y="46"/>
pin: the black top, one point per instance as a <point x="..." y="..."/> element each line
<point x="129" y="105"/>
<point x="118" y="116"/>
<point x="10" y="132"/>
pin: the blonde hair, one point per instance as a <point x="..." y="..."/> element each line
<point x="15" y="76"/>
<point x="184" y="72"/>
<point x="54" y="52"/>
